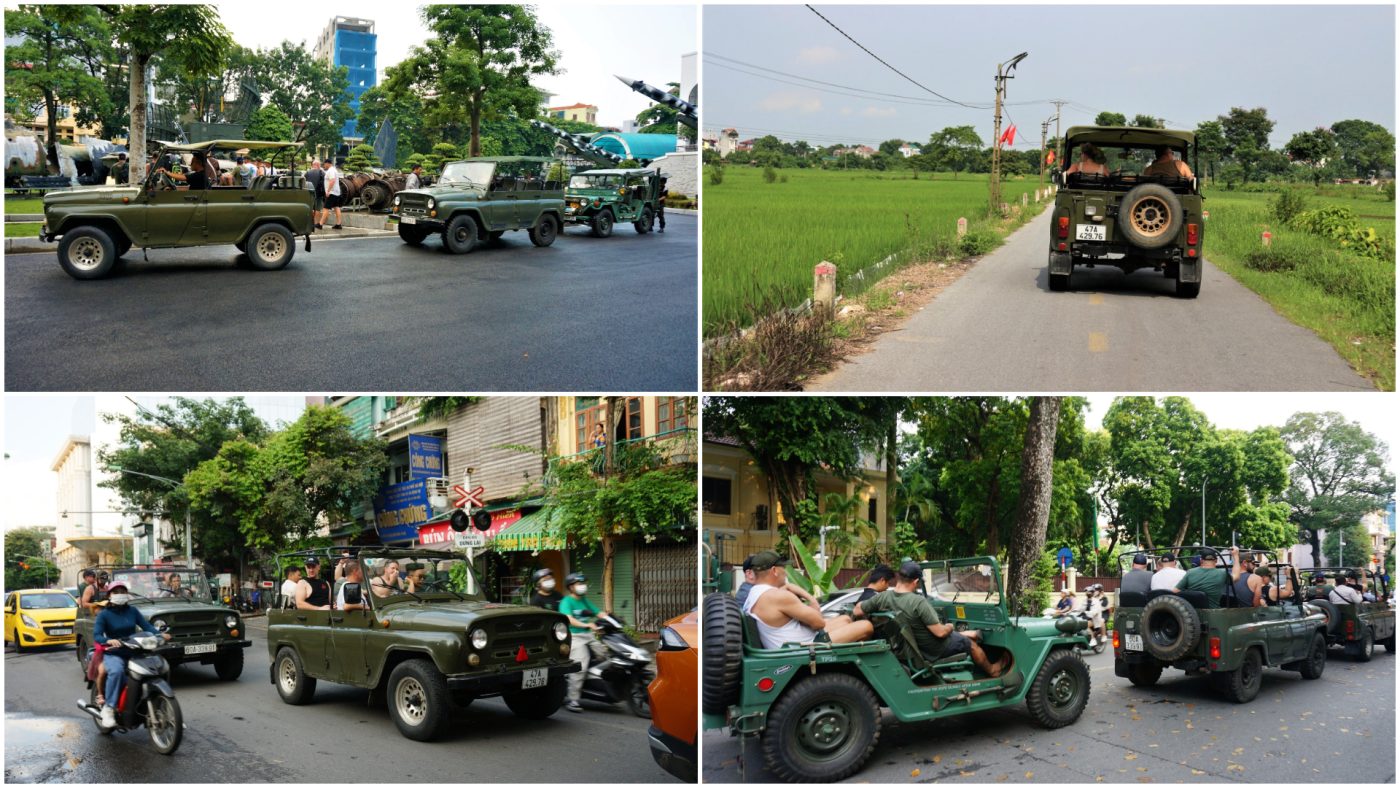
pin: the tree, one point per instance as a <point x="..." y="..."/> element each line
<point x="955" y="148"/>
<point x="1147" y="122"/>
<point x="1313" y="149"/>
<point x="1033" y="511"/>
<point x="1348" y="545"/>
<point x="204" y="93"/>
<point x="49" y="63"/>
<point x="661" y="119"/>
<point x="1210" y="140"/>
<point x="1246" y="133"/>
<point x="768" y="151"/>
<point x="477" y="66"/>
<point x="1366" y="148"/>
<point x="404" y="111"/>
<point x="191" y="36"/>
<point x="1339" y="473"/>
<point x="313" y="95"/>
<point x="442" y="153"/>
<point x="26" y="559"/>
<point x="269" y="123"/>
<point x="361" y="159"/>
<point x="1110" y="119"/>
<point x="891" y="147"/>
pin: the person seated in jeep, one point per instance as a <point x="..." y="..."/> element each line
<point x="935" y="639"/>
<point x="1271" y="593"/>
<point x="1206" y="578"/>
<point x="172" y="587"/>
<point x="786" y="613"/>
<point x="1247" y="581"/>
<point x="1090" y="161"/>
<point x="1346" y="593"/>
<point x="878" y="582"/>
<point x="1167" y="166"/>
<point x="1168" y="574"/>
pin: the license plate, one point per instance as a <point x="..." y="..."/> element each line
<point x="409" y="220"/>
<point x="201" y="648"/>
<point x="1090" y="232"/>
<point x="535" y="677"/>
<point x="61" y="631"/>
<point x="1132" y="642"/>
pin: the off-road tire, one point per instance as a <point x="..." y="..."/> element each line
<point x="1365" y="648"/>
<point x="722" y="636"/>
<point x="545" y="231"/>
<point x="295" y="687"/>
<point x="81" y="649"/>
<point x="1060" y="690"/>
<point x="271" y="247"/>
<point x="841" y="716"/>
<point x="87" y="253"/>
<point x="1334" y="616"/>
<point x="602" y="224"/>
<point x="1389" y="643"/>
<point x="418" y="698"/>
<point x="1150" y="216"/>
<point x="460" y="234"/>
<point x="1059" y="283"/>
<point x="412" y="234"/>
<point x="1241" y="685"/>
<point x="645" y="221"/>
<point x="537" y="703"/>
<point x="1312" y="666"/>
<point x="228" y="666"/>
<point x="1171" y="627"/>
<point x="1144" y="674"/>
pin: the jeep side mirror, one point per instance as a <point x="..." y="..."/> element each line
<point x="352" y="594"/>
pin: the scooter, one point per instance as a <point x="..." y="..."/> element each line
<point x="146" y="699"/>
<point x="1098" y="639"/>
<point x="618" y="669"/>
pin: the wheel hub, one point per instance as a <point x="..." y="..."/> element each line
<point x="1062" y="688"/>
<point x="85" y="253"/>
<point x="271" y="246"/>
<point x="412" y="701"/>
<point x="289" y="675"/>
<point x="824" y="728"/>
<point x="1151" y="216"/>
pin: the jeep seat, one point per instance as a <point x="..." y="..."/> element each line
<point x="1132" y="598"/>
<point x="751" y="636"/>
<point x="921" y="669"/>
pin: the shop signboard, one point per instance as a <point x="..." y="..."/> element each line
<point x="399" y="509"/>
<point x="424" y="457"/>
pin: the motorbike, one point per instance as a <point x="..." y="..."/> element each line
<point x="147" y="697"/>
<point x="1098" y="638"/>
<point x="618" y="669"/>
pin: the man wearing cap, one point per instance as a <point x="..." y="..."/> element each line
<point x="742" y="595"/>
<point x="313" y="593"/>
<point x="787" y="613"/>
<point x="1138" y="579"/>
<point x="1345" y="593"/>
<point x="1246" y="581"/>
<point x="1168" y="574"/>
<point x="934" y="638"/>
<point x="1206" y="578"/>
<point x="1269" y="592"/>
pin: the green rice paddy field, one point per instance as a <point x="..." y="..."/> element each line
<point x="762" y="239"/>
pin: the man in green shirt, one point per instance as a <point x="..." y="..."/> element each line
<point x="935" y="639"/>
<point x="1207" y="578"/>
<point x="581" y="613"/>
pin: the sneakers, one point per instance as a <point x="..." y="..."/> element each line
<point x="337" y="227"/>
<point x="573" y="706"/>
<point x="109" y="718"/>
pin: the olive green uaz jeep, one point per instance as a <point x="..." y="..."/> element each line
<point x="478" y="200"/>
<point x="815" y="707"/>
<point x="420" y="646"/>
<point x="1123" y="218"/>
<point x="1220" y="638"/>
<point x="201" y="630"/>
<point x="602" y="198"/>
<point x="96" y="226"/>
<point x="1355" y="627"/>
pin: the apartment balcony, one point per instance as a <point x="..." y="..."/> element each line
<point x="665" y="449"/>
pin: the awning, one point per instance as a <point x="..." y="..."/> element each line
<point x="530" y="533"/>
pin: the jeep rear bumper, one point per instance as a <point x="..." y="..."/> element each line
<point x="496" y="683"/>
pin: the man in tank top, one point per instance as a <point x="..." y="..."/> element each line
<point x="313" y="593"/>
<point x="786" y="613"/>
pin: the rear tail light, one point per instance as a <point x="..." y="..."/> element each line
<point x="1351" y="630"/>
<point x="1215" y="648"/>
<point x="1116" y="644"/>
<point x="1190" y="252"/>
<point x="1064" y="226"/>
<point x="1192" y="235"/>
<point x="765" y="684"/>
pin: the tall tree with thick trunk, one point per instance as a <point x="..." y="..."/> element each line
<point x="1037" y="478"/>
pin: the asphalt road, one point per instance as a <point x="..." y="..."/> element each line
<point x="242" y="732"/>
<point x="363" y="314"/>
<point x="1337" y="729"/>
<point x="999" y="328"/>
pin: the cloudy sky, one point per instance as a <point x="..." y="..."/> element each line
<point x="1309" y="65"/>
<point x="595" y="42"/>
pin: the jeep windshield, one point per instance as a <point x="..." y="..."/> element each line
<point x="467" y="173"/>
<point x="186" y="584"/>
<point x="949" y="582"/>
<point x="593" y="181"/>
<point x="425" y="576"/>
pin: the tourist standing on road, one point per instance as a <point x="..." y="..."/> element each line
<point x="1168" y="574"/>
<point x="661" y="216"/>
<point x="581" y="613"/>
<point x="1138" y="579"/>
<point x="415" y="178"/>
<point x="313" y="593"/>
<point x="335" y="193"/>
<point x="316" y="184"/>
<point x="545" y="594"/>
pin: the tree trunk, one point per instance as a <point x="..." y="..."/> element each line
<point x="1181" y="534"/>
<point x="51" y="107"/>
<point x="993" y="527"/>
<point x="891" y="478"/>
<point x="609" y="548"/>
<point x="476" y="127"/>
<point x="136" y="134"/>
<point x="1033" y="512"/>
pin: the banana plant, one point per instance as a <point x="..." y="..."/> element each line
<point x="810" y="576"/>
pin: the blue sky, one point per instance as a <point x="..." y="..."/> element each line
<point x="1309" y="65"/>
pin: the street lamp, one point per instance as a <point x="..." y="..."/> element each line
<point x="189" y="555"/>
<point x="1203" y="511"/>
<point x="1003" y="73"/>
<point x="821" y="543"/>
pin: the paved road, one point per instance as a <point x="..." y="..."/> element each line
<point x="241" y="732"/>
<point x="587" y="314"/>
<point x="999" y="328"/>
<point x="1337" y="729"/>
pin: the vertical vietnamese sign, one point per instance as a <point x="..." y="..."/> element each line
<point x="424" y="457"/>
<point x="399" y="509"/>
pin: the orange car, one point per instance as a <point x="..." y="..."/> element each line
<point x="673" y="706"/>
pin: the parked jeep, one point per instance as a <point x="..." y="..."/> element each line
<point x="201" y="630"/>
<point x="602" y="198"/>
<point x="478" y="200"/>
<point x="95" y="227"/>
<point x="1357" y="628"/>
<point x="1220" y="638"/>
<point x="1123" y="218"/>
<point x="815" y="707"/>
<point x="422" y="648"/>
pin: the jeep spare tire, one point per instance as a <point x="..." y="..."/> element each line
<point x="1150" y="216"/>
<point x="722" y="642"/>
<point x="1334" y="617"/>
<point x="1171" y="628"/>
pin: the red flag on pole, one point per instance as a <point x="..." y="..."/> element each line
<point x="1050" y="157"/>
<point x="1008" y="137"/>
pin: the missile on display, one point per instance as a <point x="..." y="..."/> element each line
<point x="687" y="111"/>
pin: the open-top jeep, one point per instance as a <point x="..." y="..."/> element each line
<point x="421" y="647"/>
<point x="1357" y="628"/>
<point x="815" y="707"/>
<point x="602" y="198"/>
<point x="1123" y="218"/>
<point x="96" y="226"/>
<point x="478" y="200"/>
<point x="1221" y="638"/>
<point x="201" y="630"/>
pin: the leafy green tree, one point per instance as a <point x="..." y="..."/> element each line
<point x="1313" y="149"/>
<point x="50" y="64"/>
<point x="1366" y="148"/>
<point x="1246" y="133"/>
<point x="361" y="159"/>
<point x="1340" y="472"/>
<point x="204" y="93"/>
<point x="1110" y="119"/>
<point x="314" y="95"/>
<point x="661" y="119"/>
<point x="1147" y="122"/>
<point x="1210" y="139"/>
<point x="477" y="66"/>
<point x="442" y="153"/>
<point x="269" y="123"/>
<point x="954" y="148"/>
<point x="1349" y="543"/>
<point x="891" y="147"/>
<point x="404" y="111"/>
<point x="26" y="560"/>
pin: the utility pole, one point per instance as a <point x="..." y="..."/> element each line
<point x="994" y="184"/>
<point x="1043" y="127"/>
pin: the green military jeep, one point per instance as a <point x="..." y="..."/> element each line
<point x="478" y="200"/>
<point x="1123" y="218"/>
<point x="1220" y="638"/>
<point x="96" y="226"/>
<point x="177" y="600"/>
<point x="602" y="198"/>
<point x="815" y="707"/>
<point x="421" y="645"/>
<point x="1357" y="628"/>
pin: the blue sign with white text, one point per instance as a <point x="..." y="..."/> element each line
<point x="399" y="509"/>
<point x="1064" y="557"/>
<point x="424" y="456"/>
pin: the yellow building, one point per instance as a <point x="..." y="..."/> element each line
<point x="583" y="113"/>
<point x="68" y="128"/>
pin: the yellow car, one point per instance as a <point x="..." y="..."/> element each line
<point x="39" y="617"/>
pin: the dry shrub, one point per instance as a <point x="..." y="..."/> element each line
<point x="774" y="355"/>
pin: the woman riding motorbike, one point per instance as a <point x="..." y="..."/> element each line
<point x="118" y="620"/>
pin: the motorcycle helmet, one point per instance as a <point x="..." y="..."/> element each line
<point x="574" y="577"/>
<point x="535" y="578"/>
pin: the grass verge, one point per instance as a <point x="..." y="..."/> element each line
<point x="22" y="229"/>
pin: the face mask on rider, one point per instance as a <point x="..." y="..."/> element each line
<point x="120" y="599"/>
<point x="581" y="589"/>
<point x="547" y="584"/>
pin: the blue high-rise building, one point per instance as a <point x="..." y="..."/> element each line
<point x="351" y="43"/>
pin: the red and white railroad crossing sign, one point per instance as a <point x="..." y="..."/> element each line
<point x="473" y="497"/>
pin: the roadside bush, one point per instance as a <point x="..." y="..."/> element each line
<point x="1389" y="191"/>
<point x="1279" y="257"/>
<point x="1288" y="204"/>
<point x="1339" y="224"/>
<point x="716" y="176"/>
<point x="769" y="175"/>
<point x="979" y="242"/>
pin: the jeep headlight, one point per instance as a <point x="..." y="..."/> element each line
<point x="397" y="200"/>
<point x="561" y="631"/>
<point x="29" y="622"/>
<point x="479" y="639"/>
<point x="231" y="621"/>
<point x="431" y="203"/>
<point x="159" y="623"/>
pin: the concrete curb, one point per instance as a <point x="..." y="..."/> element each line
<point x="28" y="245"/>
<point x="24" y="217"/>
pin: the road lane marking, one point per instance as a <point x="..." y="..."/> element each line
<point x="1098" y="342"/>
